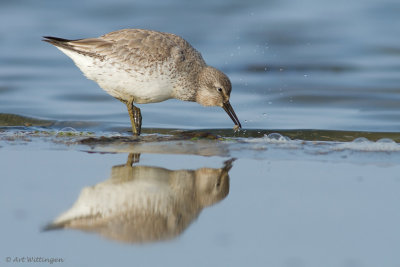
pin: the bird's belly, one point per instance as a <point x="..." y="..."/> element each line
<point x="143" y="88"/>
<point x="145" y="85"/>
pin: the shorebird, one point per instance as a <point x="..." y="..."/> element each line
<point x="145" y="203"/>
<point x="145" y="66"/>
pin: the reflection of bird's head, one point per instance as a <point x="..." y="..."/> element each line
<point x="212" y="185"/>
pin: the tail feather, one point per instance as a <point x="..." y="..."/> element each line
<point x="52" y="226"/>
<point x="82" y="46"/>
<point x="56" y="39"/>
<point x="59" y="42"/>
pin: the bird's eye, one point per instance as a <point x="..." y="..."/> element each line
<point x="219" y="89"/>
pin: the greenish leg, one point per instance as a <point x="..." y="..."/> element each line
<point x="135" y="116"/>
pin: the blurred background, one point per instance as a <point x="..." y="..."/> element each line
<point x="294" y="64"/>
<point x="306" y="64"/>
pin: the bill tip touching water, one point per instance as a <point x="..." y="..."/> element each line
<point x="145" y="66"/>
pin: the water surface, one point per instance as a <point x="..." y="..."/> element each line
<point x="303" y="65"/>
<point x="311" y="180"/>
<point x="280" y="202"/>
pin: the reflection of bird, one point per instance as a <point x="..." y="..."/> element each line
<point x="143" y="204"/>
<point x="143" y="66"/>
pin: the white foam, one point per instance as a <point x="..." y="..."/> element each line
<point x="274" y="138"/>
<point x="363" y="144"/>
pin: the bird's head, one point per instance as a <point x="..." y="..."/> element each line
<point x="215" y="90"/>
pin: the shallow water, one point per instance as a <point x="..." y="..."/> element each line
<point x="198" y="200"/>
<point x="314" y="175"/>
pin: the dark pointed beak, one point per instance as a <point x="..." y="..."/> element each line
<point x="228" y="108"/>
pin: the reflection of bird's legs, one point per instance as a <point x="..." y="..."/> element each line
<point x="132" y="158"/>
<point x="135" y="116"/>
<point x="228" y="164"/>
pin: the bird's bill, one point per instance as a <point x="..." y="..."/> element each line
<point x="228" y="108"/>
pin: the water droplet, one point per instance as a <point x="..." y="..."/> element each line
<point x="360" y="140"/>
<point x="276" y="137"/>
<point x="305" y="75"/>
<point x="68" y="129"/>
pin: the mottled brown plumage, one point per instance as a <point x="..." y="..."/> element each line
<point x="144" y="66"/>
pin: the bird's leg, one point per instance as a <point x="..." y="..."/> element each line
<point x="138" y="119"/>
<point x="132" y="158"/>
<point x="135" y="116"/>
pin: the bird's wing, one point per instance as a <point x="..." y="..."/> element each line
<point x="145" y="46"/>
<point x="132" y="46"/>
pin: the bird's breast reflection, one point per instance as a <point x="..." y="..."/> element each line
<point x="144" y="203"/>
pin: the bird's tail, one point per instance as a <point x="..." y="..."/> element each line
<point x="59" y="42"/>
<point x="89" y="46"/>
<point x="53" y="226"/>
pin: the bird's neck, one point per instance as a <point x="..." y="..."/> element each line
<point x="187" y="91"/>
